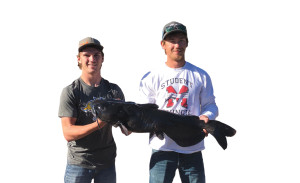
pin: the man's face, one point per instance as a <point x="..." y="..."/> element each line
<point x="90" y="60"/>
<point x="174" y="46"/>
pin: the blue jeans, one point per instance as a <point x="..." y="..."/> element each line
<point x="77" y="174"/>
<point x="163" y="165"/>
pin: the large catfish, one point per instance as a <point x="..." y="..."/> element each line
<point x="141" y="118"/>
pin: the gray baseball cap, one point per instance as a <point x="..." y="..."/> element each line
<point x="173" y="27"/>
<point x="89" y="41"/>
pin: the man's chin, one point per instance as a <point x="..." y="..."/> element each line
<point x="179" y="59"/>
<point x="92" y="71"/>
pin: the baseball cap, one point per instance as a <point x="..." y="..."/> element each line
<point x="89" y="41"/>
<point x="173" y="27"/>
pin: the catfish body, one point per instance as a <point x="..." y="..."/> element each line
<point x="142" y="118"/>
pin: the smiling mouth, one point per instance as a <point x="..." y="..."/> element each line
<point x="177" y="51"/>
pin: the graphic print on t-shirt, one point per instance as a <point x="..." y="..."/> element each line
<point x="177" y="95"/>
<point x="183" y="92"/>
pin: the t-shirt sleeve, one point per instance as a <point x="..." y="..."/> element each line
<point x="67" y="106"/>
<point x="117" y="92"/>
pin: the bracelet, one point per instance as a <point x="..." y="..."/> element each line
<point x="98" y="124"/>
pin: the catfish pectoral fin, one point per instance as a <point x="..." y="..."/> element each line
<point x="124" y="129"/>
<point x="160" y="135"/>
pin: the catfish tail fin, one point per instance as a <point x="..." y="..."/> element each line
<point x="220" y="131"/>
<point x="227" y="130"/>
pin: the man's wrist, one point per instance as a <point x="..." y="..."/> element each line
<point x="97" y="121"/>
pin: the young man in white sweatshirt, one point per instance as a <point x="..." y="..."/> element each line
<point x="180" y="87"/>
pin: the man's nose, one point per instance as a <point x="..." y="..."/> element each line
<point x="177" y="44"/>
<point x="92" y="58"/>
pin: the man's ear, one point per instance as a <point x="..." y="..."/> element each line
<point x="78" y="58"/>
<point x="162" y="43"/>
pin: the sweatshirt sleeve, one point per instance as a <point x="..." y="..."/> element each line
<point x="147" y="94"/>
<point x="207" y="99"/>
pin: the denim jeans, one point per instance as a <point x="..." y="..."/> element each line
<point x="163" y="165"/>
<point x="77" y="174"/>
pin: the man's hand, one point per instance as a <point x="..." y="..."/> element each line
<point x="205" y="119"/>
<point x="101" y="124"/>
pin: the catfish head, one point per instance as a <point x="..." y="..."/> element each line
<point x="110" y="111"/>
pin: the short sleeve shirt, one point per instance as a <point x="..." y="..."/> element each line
<point x="98" y="149"/>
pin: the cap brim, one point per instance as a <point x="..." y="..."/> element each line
<point x="90" y="45"/>
<point x="175" y="31"/>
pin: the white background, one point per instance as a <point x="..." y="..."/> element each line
<point x="249" y="48"/>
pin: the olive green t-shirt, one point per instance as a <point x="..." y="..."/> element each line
<point x="97" y="150"/>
